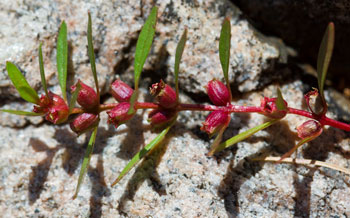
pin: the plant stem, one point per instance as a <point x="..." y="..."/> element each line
<point x="323" y="119"/>
<point x="230" y="109"/>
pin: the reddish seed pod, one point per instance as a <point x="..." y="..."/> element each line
<point x="119" y="114"/>
<point x="166" y="96"/>
<point x="87" y="97"/>
<point x="54" y="107"/>
<point x="121" y="91"/>
<point x="215" y="121"/>
<point x="315" y="103"/>
<point x="218" y="93"/>
<point x="159" y="117"/>
<point x="84" y="122"/>
<point x="309" y="128"/>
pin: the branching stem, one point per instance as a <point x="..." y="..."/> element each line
<point x="324" y="120"/>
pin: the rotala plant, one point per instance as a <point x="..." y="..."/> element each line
<point x="163" y="112"/>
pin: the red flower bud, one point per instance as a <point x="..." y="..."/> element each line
<point x="166" y="96"/>
<point x="119" y="114"/>
<point x="218" y="93"/>
<point x="55" y="108"/>
<point x="159" y="117"/>
<point x="84" y="122"/>
<point x="121" y="91"/>
<point x="87" y="97"/>
<point x="270" y="108"/>
<point x="309" y="128"/>
<point x="215" y="121"/>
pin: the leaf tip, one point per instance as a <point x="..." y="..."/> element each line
<point x="115" y="182"/>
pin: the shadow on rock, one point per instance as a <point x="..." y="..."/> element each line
<point x="146" y="170"/>
<point x="72" y="157"/>
<point x="99" y="188"/>
<point x="246" y="168"/>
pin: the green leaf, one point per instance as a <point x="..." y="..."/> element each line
<point x="42" y="71"/>
<point x="324" y="56"/>
<point x="144" y="43"/>
<point x="132" y="102"/>
<point x="86" y="161"/>
<point x="179" y="51"/>
<point x="25" y="113"/>
<point x="21" y="84"/>
<point x="143" y="153"/>
<point x="92" y="55"/>
<point x="224" y="50"/>
<point x="303" y="141"/>
<point x="216" y="142"/>
<point x="74" y="97"/>
<point x="280" y="101"/>
<point x="62" y="58"/>
<point x="244" y="135"/>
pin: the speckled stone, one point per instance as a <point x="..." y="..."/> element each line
<point x="301" y="24"/>
<point x="115" y="29"/>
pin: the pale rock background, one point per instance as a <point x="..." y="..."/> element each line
<point x="40" y="162"/>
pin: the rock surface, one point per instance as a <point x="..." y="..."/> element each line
<point x="40" y="162"/>
<point x="301" y="24"/>
<point x="116" y="27"/>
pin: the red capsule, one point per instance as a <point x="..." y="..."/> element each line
<point x="270" y="109"/>
<point x="215" y="121"/>
<point x="315" y="103"/>
<point x="84" y="122"/>
<point x="158" y="117"/>
<point x="121" y="91"/>
<point x="87" y="97"/>
<point x="166" y="96"/>
<point x="119" y="114"/>
<point x="218" y="93"/>
<point x="309" y="128"/>
<point x="54" y="107"/>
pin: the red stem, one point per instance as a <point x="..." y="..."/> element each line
<point x="230" y="109"/>
<point x="323" y="120"/>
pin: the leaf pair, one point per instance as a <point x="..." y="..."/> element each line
<point x="143" y="46"/>
<point x="90" y="147"/>
<point x="224" y="53"/>
<point x="21" y="84"/>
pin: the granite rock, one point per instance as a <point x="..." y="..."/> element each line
<point x="301" y="24"/>
<point x="115" y="29"/>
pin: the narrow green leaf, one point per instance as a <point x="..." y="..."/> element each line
<point x="42" y="71"/>
<point x="144" y="43"/>
<point x="86" y="161"/>
<point x="216" y="142"/>
<point x="74" y="97"/>
<point x="21" y="84"/>
<point x="324" y="56"/>
<point x="224" y="50"/>
<point x="25" y="113"/>
<point x="92" y="55"/>
<point x="244" y="135"/>
<point x="179" y="51"/>
<point x="143" y="153"/>
<point x="62" y="58"/>
<point x="303" y="141"/>
<point x="280" y="101"/>
<point x="132" y="102"/>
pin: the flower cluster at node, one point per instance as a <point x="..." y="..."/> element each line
<point x="54" y="108"/>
